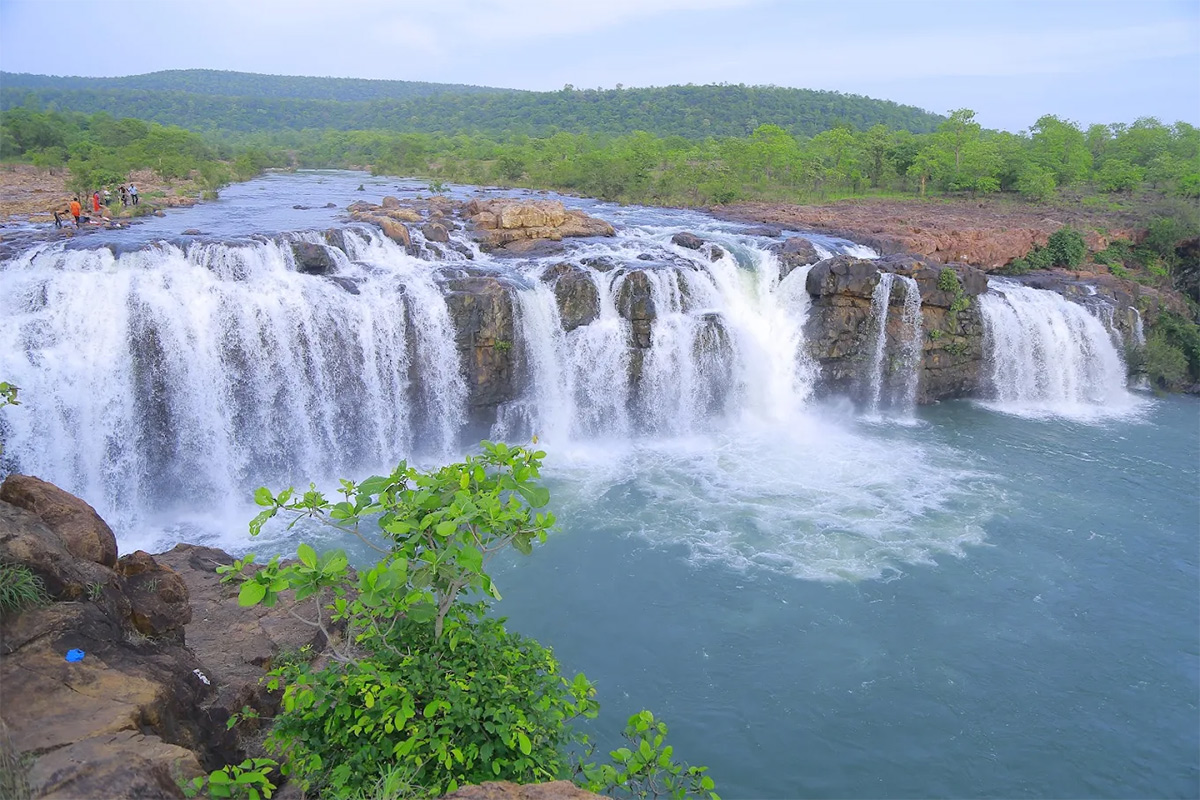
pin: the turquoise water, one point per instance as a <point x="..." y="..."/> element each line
<point x="1055" y="656"/>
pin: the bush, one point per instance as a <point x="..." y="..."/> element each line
<point x="1166" y="365"/>
<point x="425" y="689"/>
<point x="1066" y="248"/>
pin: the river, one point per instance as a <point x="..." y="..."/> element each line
<point x="976" y="598"/>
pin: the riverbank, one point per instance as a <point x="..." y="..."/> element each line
<point x="985" y="232"/>
<point x="30" y="194"/>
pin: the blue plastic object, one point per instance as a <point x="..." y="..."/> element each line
<point x="75" y="655"/>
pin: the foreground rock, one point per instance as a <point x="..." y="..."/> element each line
<point x="504" y="790"/>
<point x="169" y="656"/>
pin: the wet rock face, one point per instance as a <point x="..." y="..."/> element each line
<point x="576" y="293"/>
<point x="840" y="329"/>
<point x="792" y="253"/>
<point x="313" y="259"/>
<point x="481" y="309"/>
<point x="635" y="302"/>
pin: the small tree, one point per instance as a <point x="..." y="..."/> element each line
<point x="1066" y="248"/>
<point x="423" y="681"/>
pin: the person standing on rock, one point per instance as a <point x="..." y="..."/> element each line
<point x="76" y="210"/>
<point x="96" y="202"/>
<point x="133" y="196"/>
<point x="124" y="196"/>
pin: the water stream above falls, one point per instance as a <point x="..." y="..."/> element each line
<point x="818" y="601"/>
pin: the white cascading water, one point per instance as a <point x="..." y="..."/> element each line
<point x="910" y="349"/>
<point x="727" y="339"/>
<point x="1050" y="356"/>
<point x="169" y="375"/>
<point x="880" y="299"/>
<point x="901" y="396"/>
<point x="165" y="384"/>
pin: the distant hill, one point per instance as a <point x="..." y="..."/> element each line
<point x="246" y="84"/>
<point x="207" y="100"/>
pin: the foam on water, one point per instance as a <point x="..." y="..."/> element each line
<point x="811" y="500"/>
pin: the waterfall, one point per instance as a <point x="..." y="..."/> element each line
<point x="902" y="372"/>
<point x="726" y="339"/>
<point x="187" y="375"/>
<point x="880" y="299"/>
<point x="177" y="377"/>
<point x="910" y="350"/>
<point x="1049" y="356"/>
<point x="1139" y="332"/>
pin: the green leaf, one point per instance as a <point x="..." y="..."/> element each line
<point x="446" y="527"/>
<point x="218" y="778"/>
<point x="470" y="558"/>
<point x="523" y="740"/>
<point x="307" y="556"/>
<point x="259" y="520"/>
<point x="252" y="593"/>
<point x="263" y="496"/>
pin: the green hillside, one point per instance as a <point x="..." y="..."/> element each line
<point x="245" y="84"/>
<point x="260" y="103"/>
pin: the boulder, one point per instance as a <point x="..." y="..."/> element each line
<point x="794" y="252"/>
<point x="26" y="539"/>
<point x="576" y="294"/>
<point x="481" y="309"/>
<point x="403" y="214"/>
<point x="688" y="240"/>
<point x="361" y="206"/>
<point x="390" y="202"/>
<point x="76" y="523"/>
<point x="157" y="595"/>
<point x="498" y="222"/>
<point x="236" y="645"/>
<point x="532" y="247"/>
<point x="435" y="232"/>
<point x="395" y="231"/>
<point x="505" y="790"/>
<point x="312" y="258"/>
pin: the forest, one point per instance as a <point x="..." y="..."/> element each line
<point x="288" y="104"/>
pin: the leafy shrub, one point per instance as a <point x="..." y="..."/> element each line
<point x="246" y="781"/>
<point x="948" y="281"/>
<point x="1066" y="248"/>
<point x="646" y="769"/>
<point x="1166" y="365"/>
<point x="425" y="690"/>
<point x="19" y="588"/>
<point x="488" y="705"/>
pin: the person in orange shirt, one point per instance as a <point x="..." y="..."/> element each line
<point x="76" y="210"/>
<point x="96" y="202"/>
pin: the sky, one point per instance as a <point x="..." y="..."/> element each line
<point x="1012" y="61"/>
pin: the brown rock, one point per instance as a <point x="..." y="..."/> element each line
<point x="403" y="214"/>
<point x="77" y="524"/>
<point x="504" y="790"/>
<point x="435" y="232"/>
<point x="26" y="539"/>
<point x="360" y="206"/>
<point x="576" y="293"/>
<point x="157" y="595"/>
<point x="395" y="231"/>
<point x="390" y="202"/>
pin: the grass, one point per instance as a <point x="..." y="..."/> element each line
<point x="20" y="589"/>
